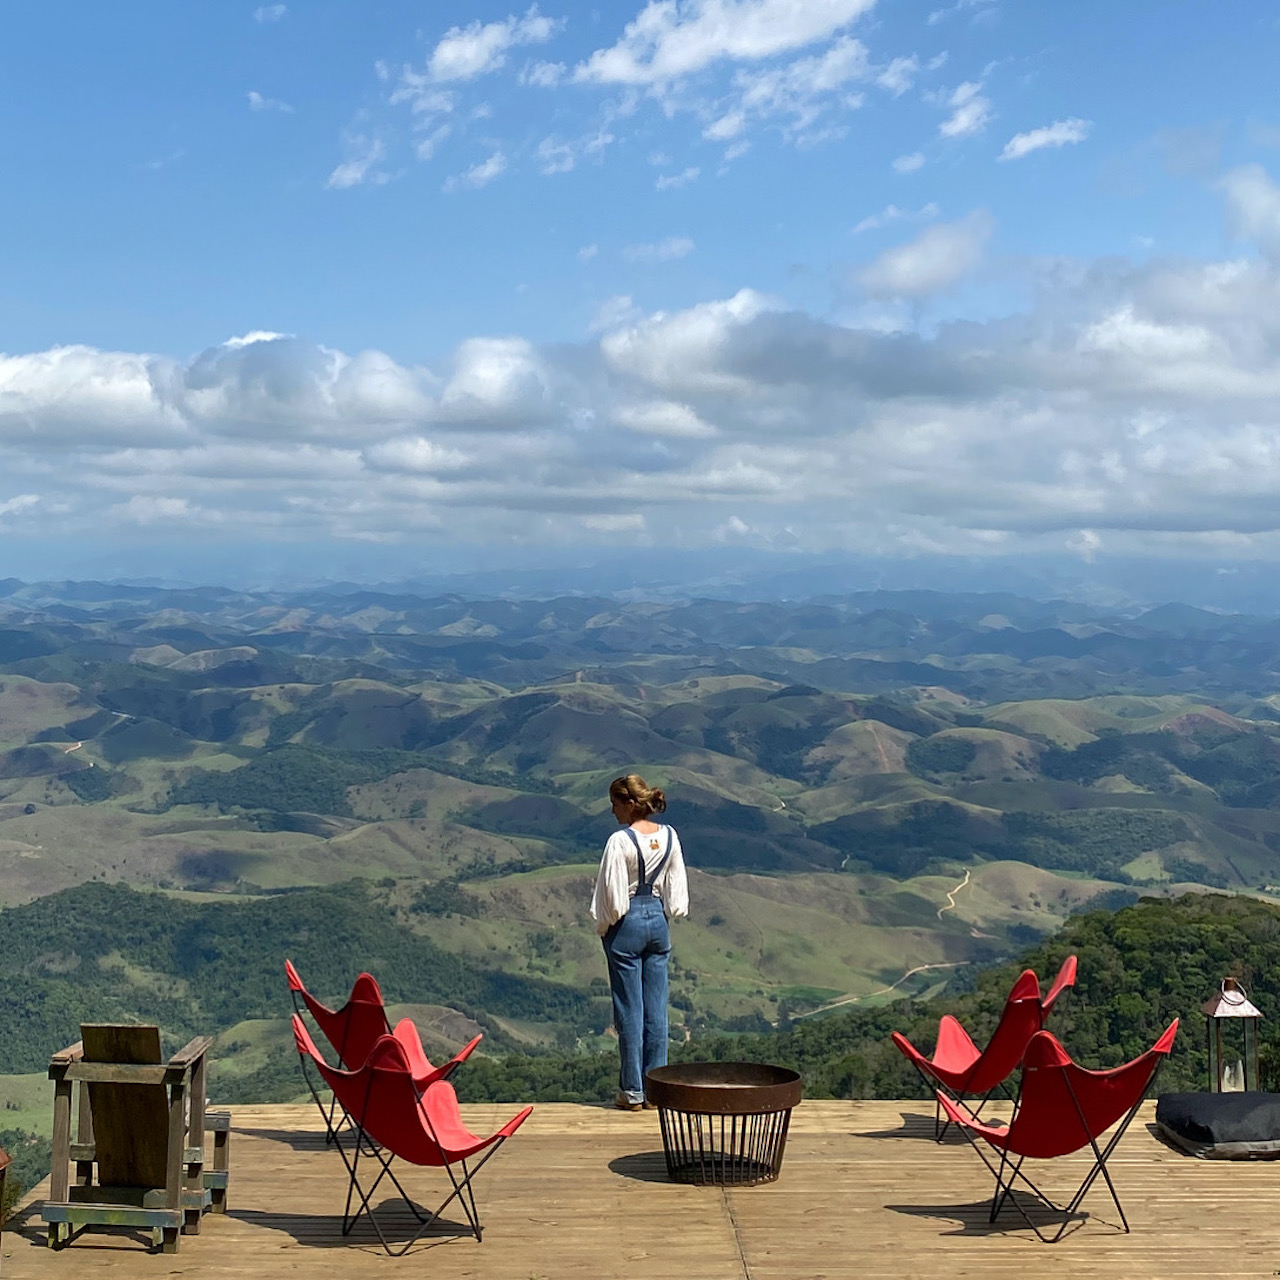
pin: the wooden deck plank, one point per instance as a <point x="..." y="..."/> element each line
<point x="582" y="1192"/>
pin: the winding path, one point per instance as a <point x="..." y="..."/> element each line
<point x="950" y="905"/>
<point x="843" y="1000"/>
<point x="951" y="896"/>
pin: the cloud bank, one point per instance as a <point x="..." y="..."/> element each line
<point x="1134" y="409"/>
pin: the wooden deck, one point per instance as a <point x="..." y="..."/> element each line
<point x="582" y="1192"/>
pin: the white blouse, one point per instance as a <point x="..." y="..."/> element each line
<point x="620" y="874"/>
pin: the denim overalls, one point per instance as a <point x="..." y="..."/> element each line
<point x="637" y="947"/>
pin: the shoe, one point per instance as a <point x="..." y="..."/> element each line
<point x="623" y="1103"/>
<point x="649" y="1106"/>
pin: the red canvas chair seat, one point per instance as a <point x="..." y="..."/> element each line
<point x="353" y="1030"/>
<point x="393" y="1117"/>
<point x="1061" y="1109"/>
<point x="961" y="1068"/>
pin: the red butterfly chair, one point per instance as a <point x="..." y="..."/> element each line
<point x="354" y="1029"/>
<point x="961" y="1068"/>
<point x="393" y="1117"/>
<point x="5" y="1160"/>
<point x="1062" y="1108"/>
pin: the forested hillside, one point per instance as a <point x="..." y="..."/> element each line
<point x="1139" y="968"/>
<point x="102" y="953"/>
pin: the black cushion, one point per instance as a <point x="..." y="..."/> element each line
<point x="1226" y="1126"/>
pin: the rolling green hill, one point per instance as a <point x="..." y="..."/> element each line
<point x="874" y="791"/>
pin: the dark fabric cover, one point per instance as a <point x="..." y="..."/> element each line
<point x="1228" y="1126"/>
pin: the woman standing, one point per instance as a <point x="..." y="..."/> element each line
<point x="641" y="884"/>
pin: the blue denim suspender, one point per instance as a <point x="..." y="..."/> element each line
<point x="644" y="887"/>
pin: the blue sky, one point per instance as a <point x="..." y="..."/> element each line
<point x="830" y="276"/>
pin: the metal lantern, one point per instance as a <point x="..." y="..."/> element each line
<point x="1234" y="1069"/>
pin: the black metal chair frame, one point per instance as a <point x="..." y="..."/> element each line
<point x="932" y="1083"/>
<point x="329" y="1110"/>
<point x="365" y="1145"/>
<point x="1005" y="1184"/>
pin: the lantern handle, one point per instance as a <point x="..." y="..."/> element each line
<point x="1233" y="991"/>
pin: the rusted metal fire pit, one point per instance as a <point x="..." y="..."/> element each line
<point x="723" y="1122"/>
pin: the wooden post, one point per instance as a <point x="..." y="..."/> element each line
<point x="60" y="1173"/>
<point x="84" y="1134"/>
<point x="173" y="1164"/>
<point x="195" y="1141"/>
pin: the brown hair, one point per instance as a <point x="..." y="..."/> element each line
<point x="633" y="791"/>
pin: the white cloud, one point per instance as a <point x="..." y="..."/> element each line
<point x="614" y="312"/>
<point x="670" y="39"/>
<point x="733" y="529"/>
<point x="144" y="509"/>
<point x="364" y="154"/>
<point x="622" y="523"/>
<point x="495" y="382"/>
<point x="799" y="91"/>
<point x="587" y="252"/>
<point x="666" y="181"/>
<point x="22" y="502"/>
<point x="730" y="64"/>
<point x="258" y="103"/>
<point x="970" y="111"/>
<point x="664" y="418"/>
<point x="1060" y="133"/>
<point x="682" y="353"/>
<point x="543" y="75"/>
<point x="1253" y="208"/>
<point x="979" y="8"/>
<point x="270" y="13"/>
<point x="1085" y="543"/>
<point x="932" y="263"/>
<point x="479" y="175"/>
<point x="891" y="213"/>
<point x="558" y="155"/>
<point x="662" y="251"/>
<point x="424" y="97"/>
<point x="467" y="52"/>
<point x="414" y="454"/>
<point x="425" y="147"/>
<point x="899" y="75"/>
<point x="908" y="163"/>
<point x="727" y="126"/>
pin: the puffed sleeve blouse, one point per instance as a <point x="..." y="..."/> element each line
<point x="620" y="873"/>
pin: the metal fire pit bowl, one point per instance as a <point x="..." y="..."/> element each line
<point x="723" y="1123"/>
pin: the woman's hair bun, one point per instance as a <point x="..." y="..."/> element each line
<point x="632" y="790"/>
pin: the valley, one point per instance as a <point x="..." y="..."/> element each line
<point x="876" y="793"/>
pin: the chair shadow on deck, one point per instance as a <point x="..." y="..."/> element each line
<point x="324" y="1230"/>
<point x="974" y="1217"/>
<point x="297" y="1139"/>
<point x="643" y="1166"/>
<point x="918" y="1126"/>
